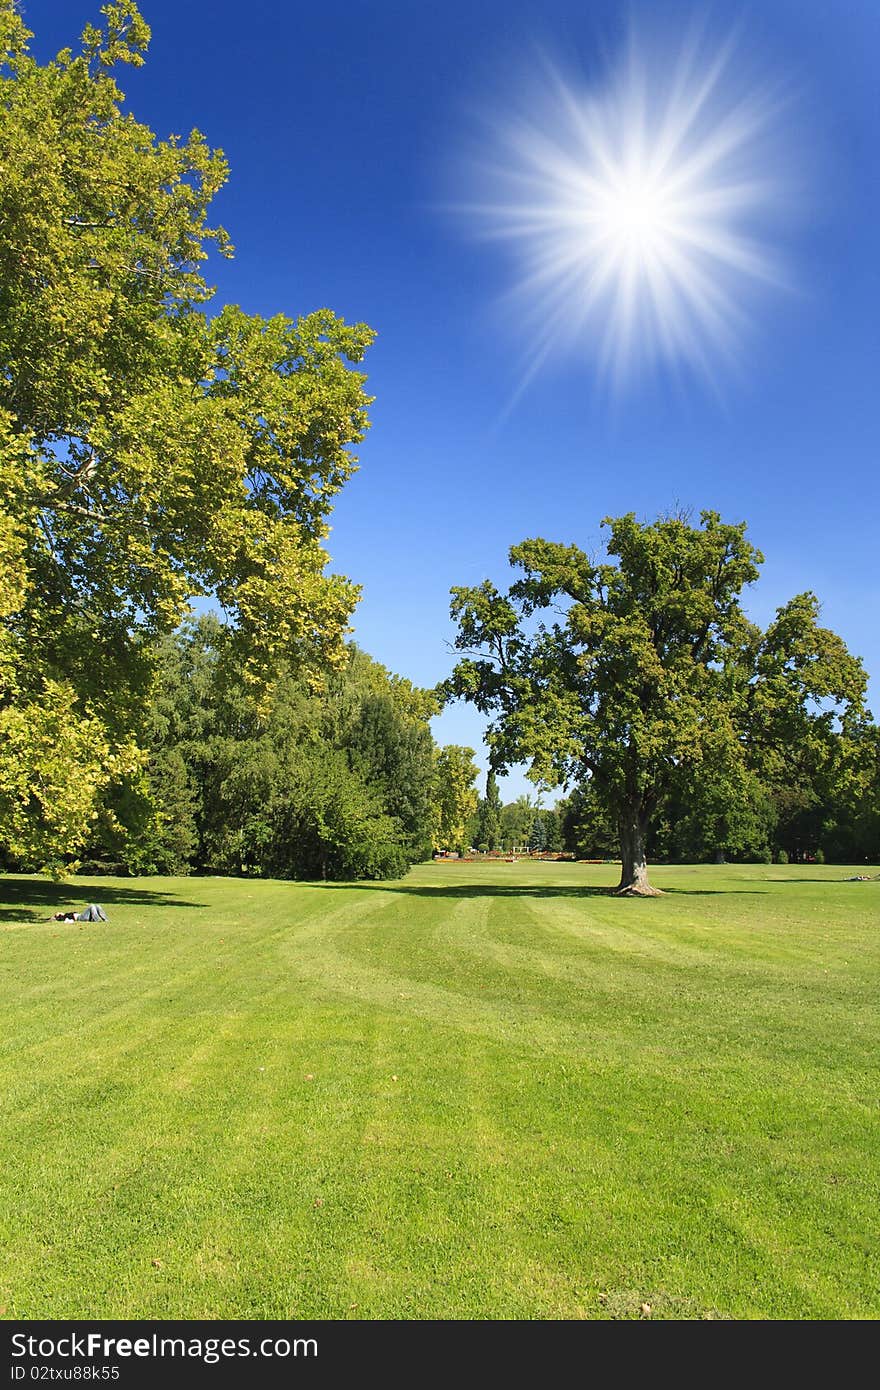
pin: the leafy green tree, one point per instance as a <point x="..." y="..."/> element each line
<point x="325" y="822"/>
<point x="538" y="835"/>
<point x="43" y="808"/>
<point x="853" y="831"/>
<point x="837" y="811"/>
<point x="632" y="674"/>
<point x="149" y="450"/>
<point x="587" y="828"/>
<point x="454" y="795"/>
<point x="308" y="781"/>
<point x="389" y="745"/>
<point x="716" y="817"/>
<point x="552" y="822"/>
<point x="146" y="823"/>
<point x="488" y="828"/>
<point x="516" y="821"/>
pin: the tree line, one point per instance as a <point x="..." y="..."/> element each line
<point x="818" y="819"/>
<point x="335" y="779"/>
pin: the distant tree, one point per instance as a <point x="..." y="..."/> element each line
<point x="854" y="834"/>
<point x="516" y="821"/>
<point x="146" y="823"/>
<point x="728" y="814"/>
<point x="643" y="669"/>
<point x="454" y="795"/>
<point x="389" y="744"/>
<point x="488" y="827"/>
<point x="327" y="823"/>
<point x="587" y="828"/>
<point x="538" y="835"/>
<point x="552" y="822"/>
<point x="842" y="814"/>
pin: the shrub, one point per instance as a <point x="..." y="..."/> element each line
<point x="781" y="857"/>
<point x="376" y="861"/>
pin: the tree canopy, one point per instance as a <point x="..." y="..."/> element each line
<point x="151" y="449"/>
<point x="455" y="796"/>
<point x="637" y="675"/>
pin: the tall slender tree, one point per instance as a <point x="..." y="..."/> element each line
<point x="489" y="814"/>
<point x="454" y="795"/>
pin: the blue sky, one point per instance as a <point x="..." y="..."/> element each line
<point x="343" y="124"/>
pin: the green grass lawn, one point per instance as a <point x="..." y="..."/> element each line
<point x="484" y="1092"/>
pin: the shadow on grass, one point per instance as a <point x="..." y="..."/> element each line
<point x="505" y="890"/>
<point x="872" y="878"/>
<point x="716" y="892"/>
<point x="35" y="899"/>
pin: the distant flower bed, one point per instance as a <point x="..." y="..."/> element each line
<point x="500" y="857"/>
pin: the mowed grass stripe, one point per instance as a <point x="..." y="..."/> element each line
<point x="619" y="965"/>
<point x="484" y="1092"/>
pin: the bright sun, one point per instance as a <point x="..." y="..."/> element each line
<point x="638" y="210"/>
<point x="634" y="215"/>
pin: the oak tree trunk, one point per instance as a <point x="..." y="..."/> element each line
<point x="634" y="864"/>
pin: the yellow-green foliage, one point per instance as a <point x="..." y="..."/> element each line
<point x="148" y="452"/>
<point x="55" y="763"/>
<point x="639" y="674"/>
<point x="455" y="796"/>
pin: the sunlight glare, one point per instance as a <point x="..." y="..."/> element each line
<point x="638" y="209"/>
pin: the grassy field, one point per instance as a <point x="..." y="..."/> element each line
<point x="484" y="1092"/>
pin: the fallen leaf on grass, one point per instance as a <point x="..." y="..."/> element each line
<point x="157" y="1264"/>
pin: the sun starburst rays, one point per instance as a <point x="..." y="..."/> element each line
<point x="637" y="213"/>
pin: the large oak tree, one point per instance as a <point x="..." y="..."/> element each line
<point x="639" y="673"/>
